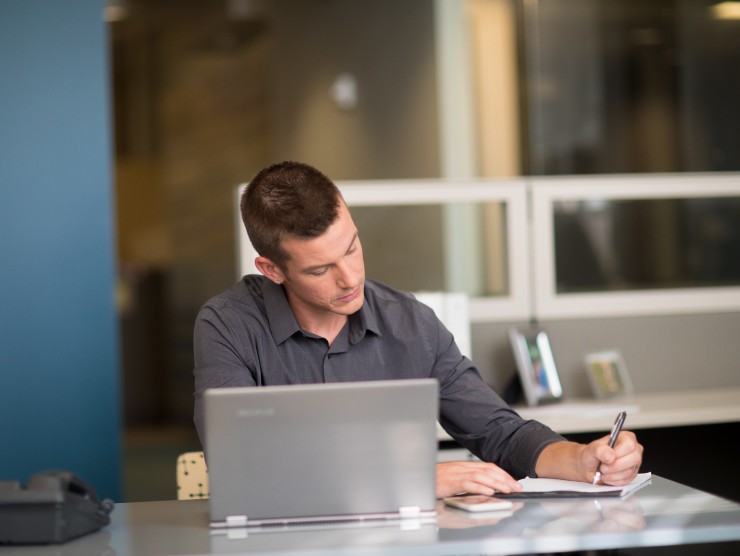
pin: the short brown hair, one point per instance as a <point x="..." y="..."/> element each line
<point x="287" y="199"/>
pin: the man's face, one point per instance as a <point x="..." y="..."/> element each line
<point x="326" y="274"/>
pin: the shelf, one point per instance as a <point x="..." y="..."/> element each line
<point x="644" y="411"/>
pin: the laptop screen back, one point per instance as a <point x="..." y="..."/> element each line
<point x="283" y="454"/>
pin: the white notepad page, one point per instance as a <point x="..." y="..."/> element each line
<point x="546" y="486"/>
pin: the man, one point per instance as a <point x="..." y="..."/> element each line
<point x="313" y="317"/>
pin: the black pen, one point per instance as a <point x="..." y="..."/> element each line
<point x="612" y="440"/>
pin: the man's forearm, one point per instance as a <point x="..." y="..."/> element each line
<point x="563" y="460"/>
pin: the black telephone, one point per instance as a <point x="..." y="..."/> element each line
<point x="54" y="507"/>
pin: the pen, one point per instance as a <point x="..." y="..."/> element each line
<point x="612" y="440"/>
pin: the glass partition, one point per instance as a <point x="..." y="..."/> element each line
<point x="411" y="248"/>
<point x="633" y="86"/>
<point x="646" y="244"/>
<point x="448" y="235"/>
<point x="636" y="245"/>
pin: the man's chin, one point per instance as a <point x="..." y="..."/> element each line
<point x="351" y="306"/>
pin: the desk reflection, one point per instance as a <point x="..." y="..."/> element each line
<point x="350" y="536"/>
<point x="547" y="516"/>
<point x="94" y="544"/>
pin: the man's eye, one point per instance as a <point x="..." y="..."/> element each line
<point x="319" y="272"/>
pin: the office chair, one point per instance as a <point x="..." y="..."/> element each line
<point x="192" y="476"/>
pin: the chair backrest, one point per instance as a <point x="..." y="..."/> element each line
<point x="192" y="476"/>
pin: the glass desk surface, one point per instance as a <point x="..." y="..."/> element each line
<point x="662" y="513"/>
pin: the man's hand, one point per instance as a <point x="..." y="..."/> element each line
<point x="619" y="465"/>
<point x="474" y="477"/>
<point x="578" y="462"/>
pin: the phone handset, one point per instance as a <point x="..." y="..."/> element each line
<point x="71" y="488"/>
<point x="53" y="507"/>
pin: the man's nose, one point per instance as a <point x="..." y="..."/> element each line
<point x="346" y="275"/>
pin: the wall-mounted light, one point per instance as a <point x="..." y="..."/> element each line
<point x="344" y="91"/>
<point x="726" y="10"/>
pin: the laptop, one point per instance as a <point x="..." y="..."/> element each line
<point x="321" y="453"/>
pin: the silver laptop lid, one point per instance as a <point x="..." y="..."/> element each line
<point x="321" y="452"/>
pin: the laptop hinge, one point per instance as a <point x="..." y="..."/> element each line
<point x="409" y="511"/>
<point x="236" y="520"/>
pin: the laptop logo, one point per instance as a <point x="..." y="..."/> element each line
<point x="255" y="412"/>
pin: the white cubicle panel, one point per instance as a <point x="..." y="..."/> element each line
<point x="461" y="237"/>
<point x="591" y="196"/>
<point x="453" y="309"/>
<point x="510" y="229"/>
<point x="464" y="234"/>
<point x="245" y="253"/>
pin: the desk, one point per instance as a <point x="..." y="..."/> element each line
<point x="663" y="513"/>
<point x="665" y="423"/>
<point x="645" y="411"/>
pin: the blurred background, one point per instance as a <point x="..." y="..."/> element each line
<point x="204" y="93"/>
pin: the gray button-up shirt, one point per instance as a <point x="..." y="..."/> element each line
<point x="248" y="336"/>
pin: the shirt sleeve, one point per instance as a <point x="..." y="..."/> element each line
<point x="475" y="416"/>
<point x="221" y="359"/>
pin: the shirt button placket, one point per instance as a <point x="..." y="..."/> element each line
<point x="329" y="375"/>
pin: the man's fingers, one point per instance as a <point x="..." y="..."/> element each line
<point x="474" y="477"/>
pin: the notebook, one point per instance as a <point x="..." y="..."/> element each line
<point x="559" y="488"/>
<point x="315" y="453"/>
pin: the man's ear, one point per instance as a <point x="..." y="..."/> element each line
<point x="269" y="269"/>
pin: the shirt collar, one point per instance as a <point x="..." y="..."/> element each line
<point x="279" y="314"/>
<point x="283" y="323"/>
<point x="361" y="322"/>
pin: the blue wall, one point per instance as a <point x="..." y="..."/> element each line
<point x="59" y="370"/>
